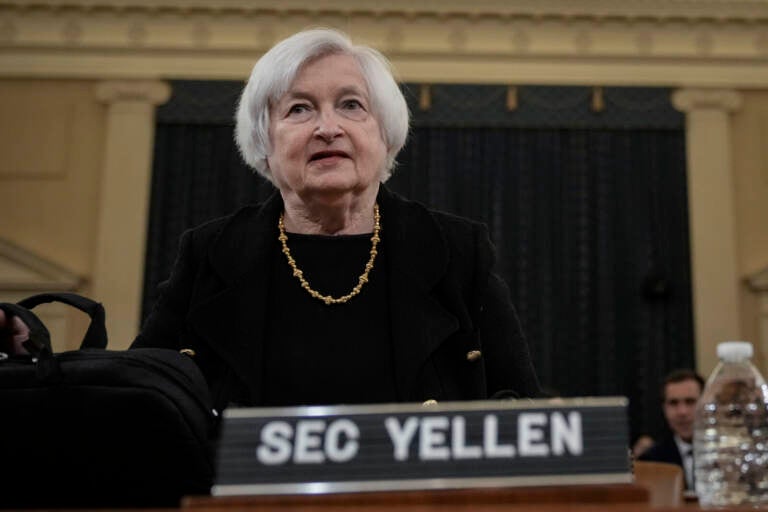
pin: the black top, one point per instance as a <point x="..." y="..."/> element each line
<point x="442" y="297"/>
<point x="328" y="354"/>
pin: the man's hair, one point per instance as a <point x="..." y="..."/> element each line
<point x="680" y="375"/>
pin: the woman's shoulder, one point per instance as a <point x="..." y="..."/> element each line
<point x="449" y="223"/>
<point x="214" y="226"/>
<point x="237" y="223"/>
<point x="456" y="224"/>
<point x="465" y="241"/>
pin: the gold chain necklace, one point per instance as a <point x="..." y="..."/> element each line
<point x="360" y="280"/>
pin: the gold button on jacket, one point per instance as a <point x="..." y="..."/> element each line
<point x="474" y="355"/>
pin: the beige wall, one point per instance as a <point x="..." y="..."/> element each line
<point x="52" y="144"/>
<point x="750" y="156"/>
<point x="73" y="186"/>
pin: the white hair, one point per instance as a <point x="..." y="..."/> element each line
<point x="276" y="70"/>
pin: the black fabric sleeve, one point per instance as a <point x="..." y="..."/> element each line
<point x="165" y="326"/>
<point x="509" y="368"/>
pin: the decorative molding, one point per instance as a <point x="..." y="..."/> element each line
<point x="715" y="10"/>
<point x="26" y="271"/>
<point x="113" y="91"/>
<point x="686" y="100"/>
<point x="707" y="43"/>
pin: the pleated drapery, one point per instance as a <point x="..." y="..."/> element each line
<point x="587" y="207"/>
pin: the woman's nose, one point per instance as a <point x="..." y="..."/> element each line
<point x="328" y="127"/>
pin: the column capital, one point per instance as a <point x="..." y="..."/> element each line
<point x="155" y="92"/>
<point x="686" y="100"/>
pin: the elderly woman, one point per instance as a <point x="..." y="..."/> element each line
<point x="336" y="290"/>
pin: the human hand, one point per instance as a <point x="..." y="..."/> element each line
<point x="13" y="333"/>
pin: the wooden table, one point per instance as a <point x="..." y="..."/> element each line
<point x="619" y="497"/>
<point x="582" y="498"/>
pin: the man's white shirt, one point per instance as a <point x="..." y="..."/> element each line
<point x="686" y="454"/>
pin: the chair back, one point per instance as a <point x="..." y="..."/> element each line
<point x="663" y="480"/>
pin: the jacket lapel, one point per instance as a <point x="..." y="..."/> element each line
<point x="418" y="258"/>
<point x="232" y="318"/>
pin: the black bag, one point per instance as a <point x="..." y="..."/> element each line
<point x="94" y="427"/>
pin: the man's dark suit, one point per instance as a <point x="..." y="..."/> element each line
<point x="445" y="304"/>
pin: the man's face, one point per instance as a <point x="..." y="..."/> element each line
<point x="679" y="405"/>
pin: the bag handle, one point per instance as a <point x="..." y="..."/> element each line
<point x="96" y="335"/>
<point x="39" y="342"/>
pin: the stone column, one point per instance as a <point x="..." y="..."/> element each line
<point x="712" y="218"/>
<point x="124" y="202"/>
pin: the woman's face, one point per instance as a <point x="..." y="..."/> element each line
<point x="326" y="143"/>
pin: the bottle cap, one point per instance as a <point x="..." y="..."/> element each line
<point x="734" y="350"/>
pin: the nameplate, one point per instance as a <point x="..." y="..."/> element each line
<point x="313" y="450"/>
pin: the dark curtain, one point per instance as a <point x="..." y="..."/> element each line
<point x="588" y="210"/>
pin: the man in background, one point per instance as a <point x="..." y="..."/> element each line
<point x="679" y="393"/>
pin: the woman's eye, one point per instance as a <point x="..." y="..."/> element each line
<point x="352" y="105"/>
<point x="299" y="108"/>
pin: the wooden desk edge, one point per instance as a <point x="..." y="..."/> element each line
<point x="576" y="494"/>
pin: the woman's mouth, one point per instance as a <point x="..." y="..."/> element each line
<point x="328" y="156"/>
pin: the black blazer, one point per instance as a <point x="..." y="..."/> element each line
<point x="664" y="450"/>
<point x="445" y="304"/>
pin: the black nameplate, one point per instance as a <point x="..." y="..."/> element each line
<point x="408" y="446"/>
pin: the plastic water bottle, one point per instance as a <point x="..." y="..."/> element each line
<point x="730" y="439"/>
